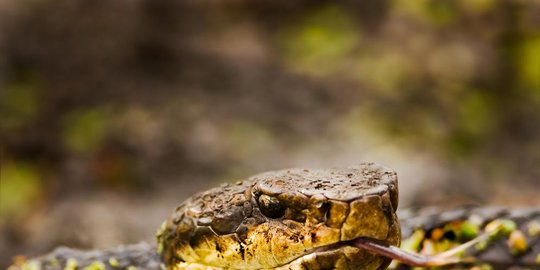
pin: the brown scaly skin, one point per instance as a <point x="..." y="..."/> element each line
<point x="207" y="231"/>
<point x="288" y="219"/>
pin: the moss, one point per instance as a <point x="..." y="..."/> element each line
<point x="501" y="227"/>
<point x="517" y="242"/>
<point x="485" y="266"/>
<point x="31" y="265"/>
<point x="413" y="242"/>
<point x="468" y="230"/>
<point x="159" y="237"/>
<point x="71" y="264"/>
<point x="114" y="262"/>
<point x="534" y="228"/>
<point x="97" y="265"/>
<point x="54" y="263"/>
<point x="482" y="245"/>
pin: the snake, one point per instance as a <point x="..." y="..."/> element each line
<point x="286" y="219"/>
<point x="297" y="219"/>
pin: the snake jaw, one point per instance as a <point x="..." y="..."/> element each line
<point x="337" y="256"/>
<point x="341" y="253"/>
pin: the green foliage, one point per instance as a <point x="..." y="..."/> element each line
<point x="19" y="103"/>
<point x="432" y="12"/>
<point x="474" y="120"/>
<point x="385" y="69"/>
<point x="84" y="130"/>
<point x="97" y="265"/>
<point x="477" y="7"/>
<point x="20" y="187"/>
<point x="321" y="41"/>
<point x="246" y="138"/>
<point x="468" y="230"/>
<point x="528" y="62"/>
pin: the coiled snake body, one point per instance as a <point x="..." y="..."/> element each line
<point x="294" y="219"/>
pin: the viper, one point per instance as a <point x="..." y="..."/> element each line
<point x="287" y="219"/>
<point x="341" y="218"/>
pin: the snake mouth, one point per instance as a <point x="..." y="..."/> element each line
<point x="336" y="254"/>
<point x="340" y="255"/>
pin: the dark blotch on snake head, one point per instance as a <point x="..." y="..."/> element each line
<point x="227" y="220"/>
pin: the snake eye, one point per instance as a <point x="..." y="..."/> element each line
<point x="271" y="207"/>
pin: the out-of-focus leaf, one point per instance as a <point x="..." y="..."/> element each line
<point x="437" y="13"/>
<point x="385" y="71"/>
<point x="248" y="138"/>
<point x="474" y="120"/>
<point x="477" y="6"/>
<point x="528" y="62"/>
<point x="84" y="130"/>
<point x="475" y="114"/>
<point x="19" y="188"/>
<point x="19" y="103"/>
<point x="320" y="44"/>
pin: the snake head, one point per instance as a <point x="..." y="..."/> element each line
<point x="288" y="219"/>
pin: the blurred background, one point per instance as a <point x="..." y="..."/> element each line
<point x="113" y="112"/>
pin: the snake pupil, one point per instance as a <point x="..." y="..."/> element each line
<point x="271" y="206"/>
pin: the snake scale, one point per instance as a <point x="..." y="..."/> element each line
<point x="308" y="219"/>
